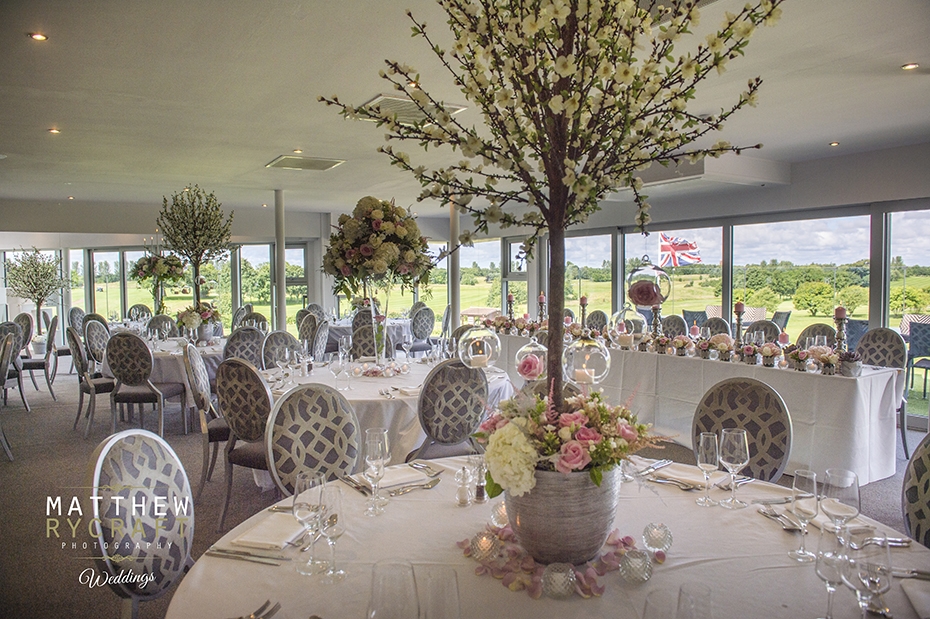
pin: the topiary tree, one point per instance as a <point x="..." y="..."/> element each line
<point x="35" y="276"/>
<point x="853" y="297"/>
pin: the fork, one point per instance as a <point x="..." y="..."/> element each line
<point x="257" y="613"/>
<point x="425" y="469"/>
<point x="271" y="612"/>
<point x="772" y="513"/>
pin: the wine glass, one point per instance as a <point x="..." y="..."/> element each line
<point x="375" y="459"/>
<point x="393" y="591"/>
<point x="804" y="505"/>
<point x="694" y="601"/>
<point x="820" y="340"/>
<point x="867" y="571"/>
<point x="345" y="345"/>
<point x="705" y="333"/>
<point x="840" y="500"/>
<point x="306" y="509"/>
<point x="830" y="560"/>
<point x="281" y="358"/>
<point x="407" y="343"/>
<point x="734" y="454"/>
<point x="332" y="526"/>
<point x="336" y="366"/>
<point x="439" y="587"/>
<point x="708" y="461"/>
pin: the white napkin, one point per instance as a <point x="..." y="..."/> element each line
<point x="918" y="593"/>
<point x="689" y="474"/>
<point x="821" y="519"/>
<point x="274" y="531"/>
<point x="410" y="391"/>
<point x="399" y="475"/>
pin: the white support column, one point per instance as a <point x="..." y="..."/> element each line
<point x="455" y="302"/>
<point x="279" y="262"/>
<point x="879" y="267"/>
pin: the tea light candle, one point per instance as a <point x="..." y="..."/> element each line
<point x="510" y="298"/>
<point x="839" y="313"/>
<point x="740" y="307"/>
<point x="695" y="330"/>
<point x="657" y="537"/>
<point x="783" y="339"/>
<point x="526" y="316"/>
<point x="625" y="340"/>
<point x="558" y="580"/>
<point x="479" y="361"/>
<point x="485" y="546"/>
<point x="584" y="376"/>
<point x="499" y="515"/>
<point x="583" y="301"/>
<point x="357" y="371"/>
<point x="636" y="566"/>
<point x="568" y="320"/>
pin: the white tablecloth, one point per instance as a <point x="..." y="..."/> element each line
<point x="837" y="421"/>
<point x="740" y="554"/>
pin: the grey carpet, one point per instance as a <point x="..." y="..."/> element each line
<point x="39" y="578"/>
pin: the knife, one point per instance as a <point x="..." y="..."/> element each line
<point x="346" y="479"/>
<point x="223" y="555"/>
<point x="898" y="572"/>
<point x="652" y="468"/>
<point x="249" y="553"/>
<point x="780" y="500"/>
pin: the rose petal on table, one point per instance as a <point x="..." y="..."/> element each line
<point x="660" y="556"/>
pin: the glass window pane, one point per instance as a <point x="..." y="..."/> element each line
<point x="136" y="292"/>
<point x="588" y="273"/>
<point x="107" y="285"/>
<point x="255" y="265"/>
<point x="295" y="272"/>
<point x="77" y="279"/>
<point x="480" y="280"/>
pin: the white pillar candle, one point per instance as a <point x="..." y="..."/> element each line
<point x="479" y="361"/>
<point x="584" y="376"/>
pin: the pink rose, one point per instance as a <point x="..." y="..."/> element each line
<point x="570" y="419"/>
<point x="572" y="457"/>
<point x="350" y="254"/>
<point x="366" y="250"/>
<point x="627" y="432"/>
<point x="492" y="424"/>
<point x="376" y="224"/>
<point x="588" y="436"/>
<point x="346" y="271"/>
<point x="530" y="367"/>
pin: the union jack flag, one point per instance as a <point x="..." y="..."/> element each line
<point x="676" y="251"/>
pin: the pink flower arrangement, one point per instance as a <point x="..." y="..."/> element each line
<point x="799" y="355"/>
<point x="748" y="350"/>
<point x="530" y="367"/>
<point x="681" y="341"/>
<point x="770" y="349"/>
<point x="721" y="342"/>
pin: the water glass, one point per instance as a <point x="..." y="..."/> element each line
<point x="694" y="601"/>
<point x="705" y="333"/>
<point x="867" y="571"/>
<point x="829" y="566"/>
<point x="804" y="505"/>
<point x="336" y="365"/>
<point x="734" y="454"/>
<point x="306" y="509"/>
<point x="820" y="340"/>
<point x="840" y="500"/>
<point x="407" y="343"/>
<point x="708" y="461"/>
<point x="332" y="526"/>
<point x="660" y="604"/>
<point x="376" y="457"/>
<point x="393" y="591"/>
<point x="345" y="345"/>
<point x="438" y="587"/>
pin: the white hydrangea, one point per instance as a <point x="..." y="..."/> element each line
<point x="511" y="459"/>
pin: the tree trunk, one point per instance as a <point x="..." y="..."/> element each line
<point x="38" y="318"/>
<point x="556" y="309"/>
<point x="196" y="284"/>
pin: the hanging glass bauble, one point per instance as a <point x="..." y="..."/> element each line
<point x="585" y="361"/>
<point x="627" y="321"/>
<point x="648" y="285"/>
<point x="531" y="360"/>
<point x="479" y="347"/>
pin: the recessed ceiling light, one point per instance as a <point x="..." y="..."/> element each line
<point x="910" y="66"/>
<point x="71" y="197"/>
<point x="298" y="150"/>
<point x="54" y="130"/>
<point x="37" y="36"/>
<point x="264" y="206"/>
<point x="834" y="143"/>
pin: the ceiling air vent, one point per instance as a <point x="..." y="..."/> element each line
<point x="404" y="109"/>
<point x="292" y="162"/>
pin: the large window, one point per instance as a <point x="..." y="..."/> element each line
<point x="480" y="280"/>
<point x="514" y="276"/>
<point x="588" y="273"/>
<point x="295" y="270"/>
<point x="107" y="282"/>
<point x="255" y="268"/>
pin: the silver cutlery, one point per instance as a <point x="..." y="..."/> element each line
<point x="223" y="555"/>
<point x="281" y="509"/>
<point x="902" y="572"/>
<point x="681" y="485"/>
<point x="893" y="542"/>
<point x="786" y="523"/>
<point x="249" y="553"/>
<point x="425" y="469"/>
<point x="271" y="612"/>
<point x="409" y="488"/>
<point x="655" y="466"/>
<point x="254" y="614"/>
<point x="782" y="500"/>
<point x="725" y="484"/>
<point x="349" y="481"/>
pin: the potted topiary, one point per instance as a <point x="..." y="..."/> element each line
<point x="35" y="276"/>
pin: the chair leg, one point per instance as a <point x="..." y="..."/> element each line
<point x="80" y="406"/>
<point x="229" y="480"/>
<point x="91" y="406"/>
<point x="216" y="449"/>
<point x="49" y="379"/>
<point x="113" y="413"/>
<point x="161" y="417"/>
<point x="925" y="384"/>
<point x="32" y="375"/>
<point x="902" y="419"/>
<point x="206" y="466"/>
<point x="6" y="445"/>
<point x="22" y="390"/>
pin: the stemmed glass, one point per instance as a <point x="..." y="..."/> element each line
<point x="734" y="454"/>
<point x="281" y="359"/>
<point x="840" y="500"/>
<point x="393" y="591"/>
<point x="306" y="509"/>
<point x="407" y="343"/>
<point x="830" y="560"/>
<point x="867" y="571"/>
<point x="804" y="505"/>
<point x="336" y="366"/>
<point x="345" y="345"/>
<point x="332" y="526"/>
<point x="708" y="461"/>
<point x="375" y="458"/>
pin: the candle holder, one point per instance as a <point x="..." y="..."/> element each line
<point x="499" y="515"/>
<point x="584" y="310"/>
<point x="558" y="580"/>
<point x="485" y="547"/>
<point x="657" y="537"/>
<point x="541" y="309"/>
<point x="842" y="344"/>
<point x="656" y="321"/>
<point x="738" y="332"/>
<point x="510" y="308"/>
<point x="636" y="566"/>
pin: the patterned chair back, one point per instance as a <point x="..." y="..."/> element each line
<point x="363" y="342"/>
<point x="312" y="428"/>
<point x="306" y="327"/>
<point x="422" y="324"/>
<point x="99" y="318"/>
<point x="646" y="313"/>
<point x="692" y="317"/>
<point x="909" y="319"/>
<point x="919" y="343"/>
<point x="818" y="328"/>
<point x="96" y="337"/>
<point x="596" y="320"/>
<point x="162" y="321"/>
<point x="76" y="319"/>
<point x="317" y="310"/>
<point x="781" y="319"/>
<point x="130" y="465"/>
<point x="717" y="325"/>
<point x="77" y="351"/>
<point x="299" y="317"/>
<point x="139" y="311"/>
<point x="51" y="348"/>
<point x="770" y="330"/>
<point x="320" y="338"/>
<point x="16" y="331"/>
<point x="6" y="357"/>
<point x="459" y="332"/>
<point x="244" y="398"/>
<point x="855" y="329"/>
<point x="198" y="377"/>
<point x="237" y="317"/>
<point x="915" y="494"/>
<point x="883" y="346"/>
<point x="254" y="317"/>
<point x="130" y="359"/>
<point x="415" y="308"/>
<point x="362" y="317"/>
<point x="754" y="406"/>
<point x="452" y="402"/>
<point x="27" y="324"/>
<point x="673" y="325"/>
<point x="245" y="343"/>
<point x="276" y="342"/>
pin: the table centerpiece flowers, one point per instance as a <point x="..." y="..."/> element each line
<point x="161" y="269"/>
<point x="661" y="344"/>
<point x="827" y="358"/>
<point x="703" y="348"/>
<point x="799" y="357"/>
<point x="769" y="352"/>
<point x="199" y="317"/>
<point x="681" y="343"/>
<point x="723" y="344"/>
<point x="850" y="363"/>
<point x="748" y="353"/>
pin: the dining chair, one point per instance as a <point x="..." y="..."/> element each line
<point x="139" y="311"/>
<point x="918" y="353"/>
<point x="306" y="327"/>
<point x="818" y="328"/>
<point x="87" y="382"/>
<point x="646" y="313"/>
<point x="131" y="362"/>
<point x="716" y="324"/>
<point x="96" y="336"/>
<point x="770" y="331"/>
<point x="213" y="427"/>
<point x="363" y="342"/>
<point x="754" y="406"/>
<point x="161" y="323"/>
<point x="49" y="363"/>
<point x="415" y="308"/>
<point x="273" y="346"/>
<point x="915" y="494"/>
<point x="317" y="310"/>
<point x="152" y="548"/>
<point x="910" y="319"/>
<point x="76" y="319"/>
<point x="885" y="347"/>
<point x="694" y="317"/>
<point x="311" y="428"/>
<point x="673" y="325"/>
<point x="6" y="355"/>
<point x="256" y="318"/>
<point x="422" y="324"/>
<point x="14" y="375"/>
<point x="781" y="319"/>
<point x="95" y="317"/>
<point x="362" y="317"/>
<point x="27" y="324"/>
<point x="245" y="343"/>
<point x="596" y="320"/>
<point x="320" y="339"/>
<point x="237" y="317"/>
<point x="245" y="402"/>
<point x="299" y="316"/>
<point x="451" y="406"/>
<point x="446" y="322"/>
<point x="855" y="329"/>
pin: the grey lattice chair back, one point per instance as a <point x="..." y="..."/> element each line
<point x="909" y="319"/>
<point x="422" y="324"/>
<point x="312" y="428"/>
<point x="244" y="398"/>
<point x="127" y="468"/>
<point x="96" y="337"/>
<point x="139" y="311"/>
<point x="915" y="494"/>
<point x="459" y="332"/>
<point x="6" y="355"/>
<point x="245" y="343"/>
<point x="306" y="327"/>
<point x="883" y="346"/>
<point x="254" y="317"/>
<point x="276" y="342"/>
<point x="320" y="338"/>
<point x="76" y="319"/>
<point x="198" y="377"/>
<point x="129" y="358"/>
<point x="362" y="317"/>
<point x="317" y="310"/>
<point x="363" y="342"/>
<point x="694" y="317"/>
<point x="451" y="406"/>
<point x="770" y="330"/>
<point x="755" y="407"/>
<point x="818" y="328"/>
<point x="781" y="319"/>
<point x="16" y="331"/>
<point x="97" y="317"/>
<point x="415" y="308"/>
<point x="299" y="316"/>
<point x="919" y="343"/>
<point x="237" y="317"/>
<point x="27" y="324"/>
<point x="673" y="325"/>
<point x="717" y="325"/>
<point x="213" y="428"/>
<point x="596" y="320"/>
<point x="161" y="322"/>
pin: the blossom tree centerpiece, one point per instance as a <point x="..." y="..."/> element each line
<point x="35" y="276"/>
<point x="577" y="96"/>
<point x="157" y="269"/>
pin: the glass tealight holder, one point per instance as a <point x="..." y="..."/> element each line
<point x="558" y="581"/>
<point x="648" y="285"/>
<point x="499" y="515"/>
<point x="585" y="361"/>
<point x="636" y="566"/>
<point x="479" y="347"/>
<point x="657" y="537"/>
<point x="531" y="360"/>
<point x="485" y="547"/>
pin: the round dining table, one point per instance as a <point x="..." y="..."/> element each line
<point x="741" y="555"/>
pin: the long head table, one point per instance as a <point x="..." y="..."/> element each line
<point x="837" y="421"/>
<point x="740" y="554"/>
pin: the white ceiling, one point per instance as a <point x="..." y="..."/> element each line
<point x="151" y="96"/>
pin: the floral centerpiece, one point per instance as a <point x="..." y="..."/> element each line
<point x="200" y="317"/>
<point x="748" y="352"/>
<point x="850" y="363"/>
<point x="681" y="343"/>
<point x="359" y="303"/>
<point x="703" y="347"/>
<point x="723" y="344"/>
<point x="799" y="357"/>
<point x="661" y="344"/>
<point x="161" y="269"/>
<point x="769" y="351"/>
<point x="828" y="359"/>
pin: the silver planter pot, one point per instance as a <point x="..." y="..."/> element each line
<point x="565" y="518"/>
